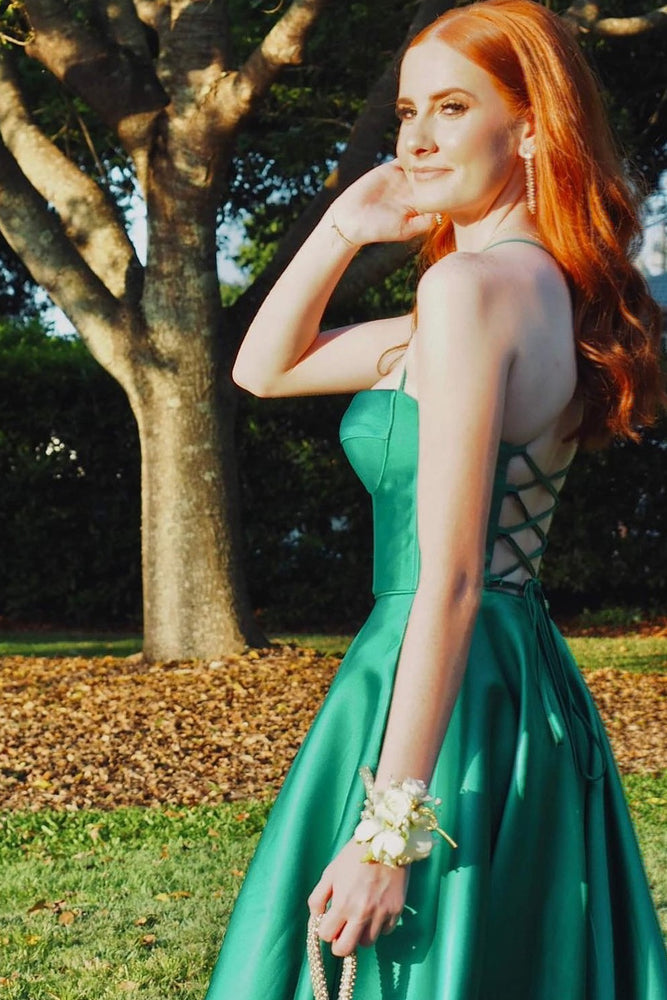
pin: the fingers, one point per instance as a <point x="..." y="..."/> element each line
<point x="345" y="935"/>
<point x="332" y="924"/>
<point x="390" y="925"/>
<point x="380" y="924"/>
<point x="347" y="940"/>
<point x="320" y="896"/>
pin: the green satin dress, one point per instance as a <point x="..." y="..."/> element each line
<point x="545" y="897"/>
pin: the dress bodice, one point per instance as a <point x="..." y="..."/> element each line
<point x="379" y="433"/>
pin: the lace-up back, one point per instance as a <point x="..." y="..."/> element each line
<point x="379" y="433"/>
<point x="524" y="501"/>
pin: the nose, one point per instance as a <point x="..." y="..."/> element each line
<point x="420" y="140"/>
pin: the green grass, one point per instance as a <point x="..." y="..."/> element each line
<point x="647" y="798"/>
<point x="134" y="902"/>
<point x="110" y="644"/>
<point x="641" y="654"/>
<point x="67" y="644"/>
<point x="631" y="652"/>
<point x="331" y="645"/>
<point x="106" y="905"/>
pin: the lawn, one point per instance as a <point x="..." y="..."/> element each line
<point x="642" y="654"/>
<point x="134" y="902"/>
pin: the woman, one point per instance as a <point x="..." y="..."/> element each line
<point x="532" y="332"/>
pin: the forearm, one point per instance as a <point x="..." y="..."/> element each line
<point x="288" y="321"/>
<point x="429" y="675"/>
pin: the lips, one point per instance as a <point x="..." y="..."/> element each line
<point x="426" y="173"/>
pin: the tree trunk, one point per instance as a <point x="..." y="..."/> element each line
<point x="195" y="604"/>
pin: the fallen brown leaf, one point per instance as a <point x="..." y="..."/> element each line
<point x="80" y="733"/>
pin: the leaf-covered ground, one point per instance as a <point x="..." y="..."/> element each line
<point x="80" y="733"/>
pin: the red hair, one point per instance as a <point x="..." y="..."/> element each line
<point x="586" y="214"/>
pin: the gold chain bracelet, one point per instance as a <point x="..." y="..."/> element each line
<point x="316" y="963"/>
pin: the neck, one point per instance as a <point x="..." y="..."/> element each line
<point x="476" y="235"/>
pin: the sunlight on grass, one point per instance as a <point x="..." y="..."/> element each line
<point x="641" y="654"/>
<point x="97" y="905"/>
<point x="102" y="905"/>
<point x="67" y="644"/>
<point x="330" y="645"/>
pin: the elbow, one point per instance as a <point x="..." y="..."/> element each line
<point x="465" y="591"/>
<point x="251" y="382"/>
<point x="456" y="593"/>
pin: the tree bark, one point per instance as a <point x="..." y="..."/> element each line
<point x="584" y="17"/>
<point x="359" y="155"/>
<point x="176" y="107"/>
<point x="194" y="605"/>
<point x="161" y="75"/>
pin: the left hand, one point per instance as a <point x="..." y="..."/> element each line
<point x="378" y="207"/>
<point x="367" y="899"/>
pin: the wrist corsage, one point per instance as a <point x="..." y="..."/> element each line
<point x="398" y="824"/>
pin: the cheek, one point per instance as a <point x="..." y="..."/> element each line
<point x="400" y="147"/>
<point x="495" y="152"/>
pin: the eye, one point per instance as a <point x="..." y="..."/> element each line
<point x="451" y="108"/>
<point x="404" y="112"/>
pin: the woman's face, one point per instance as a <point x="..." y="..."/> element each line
<point x="457" y="143"/>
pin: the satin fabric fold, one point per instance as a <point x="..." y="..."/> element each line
<point x="546" y="897"/>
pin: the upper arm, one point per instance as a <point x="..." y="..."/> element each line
<point x="340" y="360"/>
<point x="463" y="355"/>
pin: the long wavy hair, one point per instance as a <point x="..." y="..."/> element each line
<point x="586" y="211"/>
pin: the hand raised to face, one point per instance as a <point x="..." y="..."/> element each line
<point x="378" y="208"/>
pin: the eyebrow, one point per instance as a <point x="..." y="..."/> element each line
<point x="434" y="98"/>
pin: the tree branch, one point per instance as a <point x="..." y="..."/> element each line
<point x="584" y="18"/>
<point x="283" y="46"/>
<point x="360" y="154"/>
<point x="36" y="235"/>
<point x="111" y="78"/>
<point x="126" y="28"/>
<point x="89" y="219"/>
<point x="369" y="268"/>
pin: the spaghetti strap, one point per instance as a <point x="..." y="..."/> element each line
<point x="517" y="239"/>
<point x="401" y="384"/>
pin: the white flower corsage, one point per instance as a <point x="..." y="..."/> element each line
<point x="398" y="824"/>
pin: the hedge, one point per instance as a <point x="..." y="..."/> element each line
<point x="70" y="509"/>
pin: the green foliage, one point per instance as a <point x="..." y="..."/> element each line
<point x="306" y="518"/>
<point x="609" y="539"/>
<point x="69" y="506"/>
<point x="631" y="72"/>
<point x="289" y="147"/>
<point x="17" y="289"/>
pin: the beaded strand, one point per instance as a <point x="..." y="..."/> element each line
<point x="316" y="963"/>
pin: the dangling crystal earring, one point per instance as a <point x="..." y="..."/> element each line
<point x="438" y="218"/>
<point x="527" y="153"/>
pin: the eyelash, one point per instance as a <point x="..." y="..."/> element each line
<point x="450" y="108"/>
<point x="457" y="106"/>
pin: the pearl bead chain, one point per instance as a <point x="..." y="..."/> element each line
<point x="316" y="963"/>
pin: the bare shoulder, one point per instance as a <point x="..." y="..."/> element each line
<point x="509" y="291"/>
<point x="468" y="292"/>
<point x="459" y="266"/>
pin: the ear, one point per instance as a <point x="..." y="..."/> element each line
<point x="527" y="128"/>
<point x="527" y="138"/>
